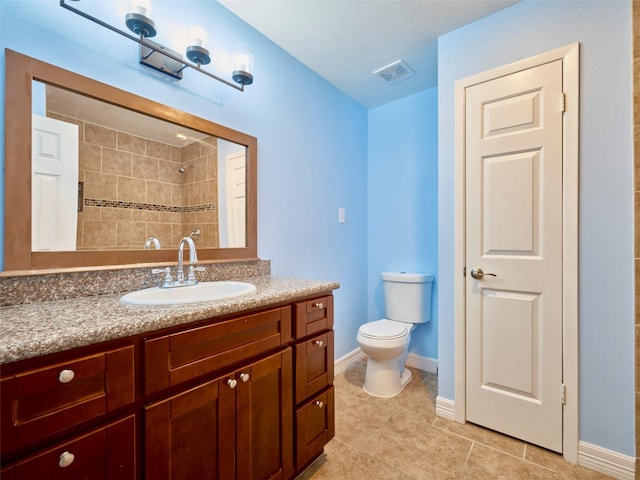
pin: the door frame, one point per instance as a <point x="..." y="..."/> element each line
<point x="570" y="56"/>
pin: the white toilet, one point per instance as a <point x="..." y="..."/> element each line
<point x="407" y="298"/>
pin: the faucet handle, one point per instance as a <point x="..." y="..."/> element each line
<point x="192" y="270"/>
<point x="167" y="275"/>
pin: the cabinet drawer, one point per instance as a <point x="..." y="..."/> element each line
<point x="38" y="403"/>
<point x="179" y="357"/>
<point x="313" y="316"/>
<point x="107" y="452"/>
<point x="314" y="426"/>
<point x="314" y="365"/>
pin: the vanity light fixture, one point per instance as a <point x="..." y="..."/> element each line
<point x="167" y="61"/>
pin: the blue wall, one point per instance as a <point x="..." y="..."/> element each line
<point x="312" y="139"/>
<point x="403" y="201"/>
<point x="606" y="331"/>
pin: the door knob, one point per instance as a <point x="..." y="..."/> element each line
<point x="244" y="377"/>
<point x="477" y="273"/>
<point x="232" y="383"/>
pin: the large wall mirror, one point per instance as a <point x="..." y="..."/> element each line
<point x="95" y="176"/>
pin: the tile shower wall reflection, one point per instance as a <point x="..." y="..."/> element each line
<point x="133" y="189"/>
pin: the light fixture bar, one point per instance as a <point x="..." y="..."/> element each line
<point x="153" y="47"/>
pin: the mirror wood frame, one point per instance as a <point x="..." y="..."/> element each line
<point x="21" y="71"/>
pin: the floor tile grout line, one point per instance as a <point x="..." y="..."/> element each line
<point x="466" y="461"/>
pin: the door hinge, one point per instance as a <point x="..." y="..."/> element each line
<point x="563" y="394"/>
<point x="563" y="102"/>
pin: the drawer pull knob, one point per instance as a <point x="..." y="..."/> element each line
<point x="318" y="305"/>
<point x="232" y="383"/>
<point x="318" y="343"/>
<point x="65" y="376"/>
<point x="66" y="459"/>
<point x="319" y="404"/>
<point x="244" y="377"/>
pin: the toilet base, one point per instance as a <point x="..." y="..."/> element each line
<point x="383" y="382"/>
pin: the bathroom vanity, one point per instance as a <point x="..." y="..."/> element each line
<point x="231" y="389"/>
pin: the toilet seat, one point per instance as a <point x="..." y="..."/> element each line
<point x="384" y="330"/>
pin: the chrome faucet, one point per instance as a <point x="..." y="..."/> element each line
<point x="193" y="261"/>
<point x="180" y="281"/>
<point x="152" y="241"/>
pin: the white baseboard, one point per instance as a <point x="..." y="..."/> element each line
<point x="445" y="408"/>
<point x="416" y="361"/>
<point x="425" y="364"/>
<point x="344" y="362"/>
<point x="606" y="461"/>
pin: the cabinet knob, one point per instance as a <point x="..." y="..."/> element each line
<point x="318" y="305"/>
<point x="232" y="383"/>
<point x="65" y="376"/>
<point x="244" y="377"/>
<point x="66" y="459"/>
<point x="319" y="404"/>
<point x="318" y="343"/>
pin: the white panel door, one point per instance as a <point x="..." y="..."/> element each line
<point x="513" y="140"/>
<point x="54" y="185"/>
<point x="236" y="168"/>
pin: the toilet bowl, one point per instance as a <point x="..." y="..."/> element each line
<point x="386" y="345"/>
<point x="386" y="341"/>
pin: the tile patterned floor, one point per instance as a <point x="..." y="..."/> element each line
<point x="401" y="438"/>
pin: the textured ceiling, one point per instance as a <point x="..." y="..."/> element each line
<point x="345" y="41"/>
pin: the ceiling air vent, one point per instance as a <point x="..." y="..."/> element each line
<point x="395" y="72"/>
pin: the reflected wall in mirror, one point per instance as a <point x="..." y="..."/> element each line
<point x="137" y="178"/>
<point x="108" y="170"/>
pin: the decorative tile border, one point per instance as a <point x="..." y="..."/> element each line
<point x="91" y="202"/>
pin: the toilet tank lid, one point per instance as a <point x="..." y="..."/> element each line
<point x="407" y="277"/>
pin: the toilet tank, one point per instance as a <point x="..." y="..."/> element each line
<point x="407" y="296"/>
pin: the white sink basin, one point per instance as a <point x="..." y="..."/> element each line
<point x="202" y="292"/>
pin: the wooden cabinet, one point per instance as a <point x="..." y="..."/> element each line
<point x="247" y="396"/>
<point x="236" y="426"/>
<point x="314" y="371"/>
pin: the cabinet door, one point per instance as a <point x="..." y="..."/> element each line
<point x="314" y="365"/>
<point x="191" y="435"/>
<point x="315" y="426"/>
<point x="264" y="419"/>
<point x="107" y="453"/>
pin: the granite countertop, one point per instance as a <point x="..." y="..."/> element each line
<point x="38" y="329"/>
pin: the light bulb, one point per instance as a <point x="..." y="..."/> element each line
<point x="197" y="36"/>
<point x="142" y="7"/>
<point x="138" y="21"/>
<point x="242" y="64"/>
